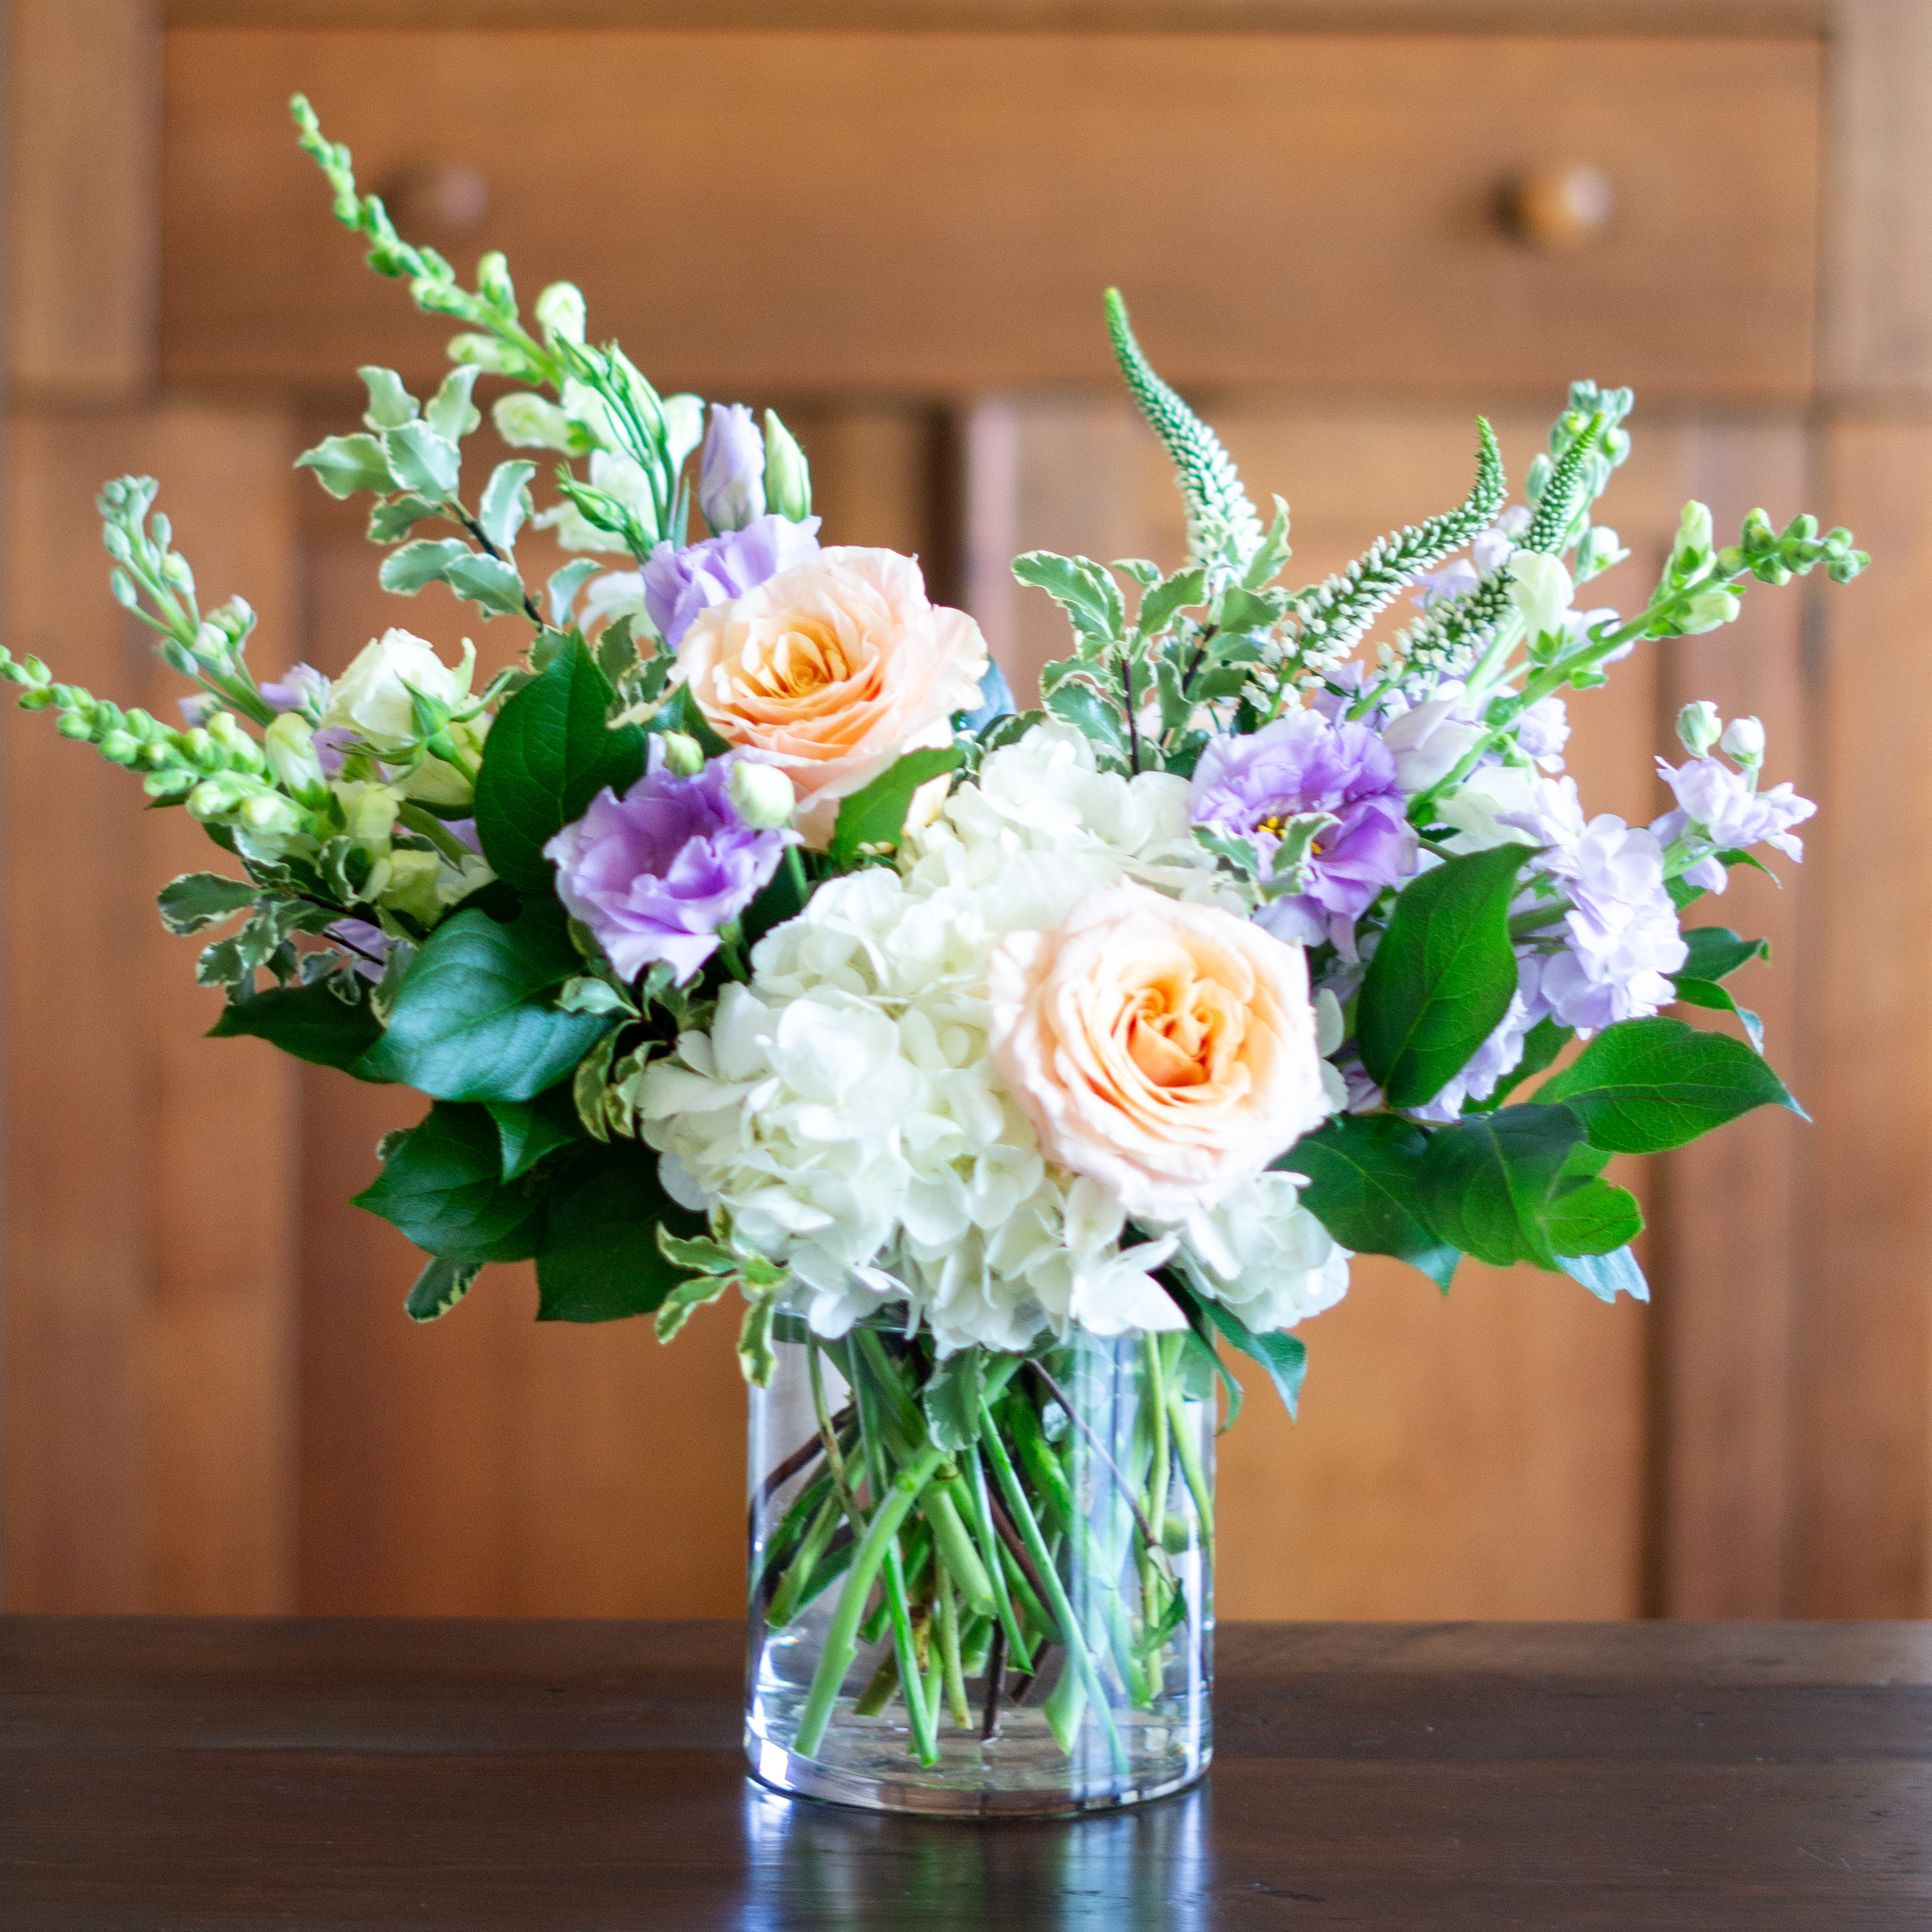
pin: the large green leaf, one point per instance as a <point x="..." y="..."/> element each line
<point x="1440" y="980"/>
<point x="1641" y="1086"/>
<point x="876" y="814"/>
<point x="442" y="1185"/>
<point x="600" y="1260"/>
<point x="1715" y="953"/>
<point x="311" y="1022"/>
<point x="1285" y="1358"/>
<point x="471" y="1022"/>
<point x="1363" y="1171"/>
<point x="549" y="754"/>
<point x="531" y="1129"/>
<point x="1505" y="1187"/>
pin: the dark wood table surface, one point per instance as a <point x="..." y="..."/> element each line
<point x="178" y="1775"/>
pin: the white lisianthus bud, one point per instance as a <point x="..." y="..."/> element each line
<point x="1698" y="726"/>
<point x="1540" y="588"/>
<point x="684" y="428"/>
<point x="1693" y="535"/>
<point x="559" y="312"/>
<point x="787" y="475"/>
<point x="765" y="798"/>
<point x="682" y="755"/>
<point x="1743" y="739"/>
<point x="291" y="750"/>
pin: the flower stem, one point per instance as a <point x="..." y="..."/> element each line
<point x="1071" y="1634"/>
<point x="1191" y="1469"/>
<point x="989" y="1539"/>
<point x="949" y="1654"/>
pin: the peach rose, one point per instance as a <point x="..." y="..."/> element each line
<point x="1165" y="1050"/>
<point x="832" y="670"/>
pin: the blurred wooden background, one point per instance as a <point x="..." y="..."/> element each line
<point x="895" y="221"/>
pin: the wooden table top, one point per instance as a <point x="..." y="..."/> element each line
<point x="196" y="1775"/>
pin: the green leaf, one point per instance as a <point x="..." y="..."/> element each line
<point x="548" y="755"/>
<point x="951" y="1399"/>
<point x="1501" y="1187"/>
<point x="441" y="1185"/>
<point x="1283" y="1356"/>
<point x="1641" y="1086"/>
<point x="560" y="591"/>
<point x="390" y="404"/>
<point x="685" y="1301"/>
<point x="1605" y="1276"/>
<point x="1085" y="590"/>
<point x="600" y="1260"/>
<point x="405" y="571"/>
<point x="1243" y="611"/>
<point x="1167" y="600"/>
<point x="1081" y="706"/>
<point x="198" y="900"/>
<point x="876" y="814"/>
<point x="1363" y="1171"/>
<point x="451" y="413"/>
<point x="506" y="503"/>
<point x="439" y="1288"/>
<point x="344" y="464"/>
<point x="1440" y="980"/>
<point x="470" y="1022"/>
<point x="1274" y="553"/>
<point x="1716" y="952"/>
<point x="391" y="522"/>
<point x="312" y="1023"/>
<point x="486" y="580"/>
<point x="1719" y="999"/>
<point x="421" y="460"/>
<point x="528" y="1129"/>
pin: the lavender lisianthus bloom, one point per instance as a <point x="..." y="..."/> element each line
<point x="679" y="584"/>
<point x="298" y="685"/>
<point x="731" y="471"/>
<point x="654" y="874"/>
<point x="1246" y="787"/>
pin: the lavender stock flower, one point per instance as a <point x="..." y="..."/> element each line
<point x="1246" y="787"/>
<point x="654" y="874"/>
<point x="679" y="584"/>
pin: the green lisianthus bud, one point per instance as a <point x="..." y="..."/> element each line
<point x="787" y="474"/>
<point x="765" y="798"/>
<point x="682" y="755"/>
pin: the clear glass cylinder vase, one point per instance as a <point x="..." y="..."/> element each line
<point x="984" y="1586"/>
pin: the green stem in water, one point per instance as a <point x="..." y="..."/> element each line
<point x="1071" y="1634"/>
<point x="949" y="1654"/>
<point x="791" y="1590"/>
<point x="956" y="1546"/>
<point x="1186" y="1442"/>
<point x="912" y="1681"/>
<point x="997" y="1559"/>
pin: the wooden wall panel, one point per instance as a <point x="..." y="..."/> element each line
<point x="950" y="225"/>
<point x="151" y="1311"/>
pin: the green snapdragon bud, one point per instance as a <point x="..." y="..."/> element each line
<point x="290" y="747"/>
<point x="559" y="313"/>
<point x="1698" y="727"/>
<point x="1694" y="539"/>
<point x="1709" y="610"/>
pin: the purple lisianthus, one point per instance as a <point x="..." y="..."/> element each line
<point x="298" y="684"/>
<point x="370" y="944"/>
<point x="731" y="472"/>
<point x="1246" y="787"/>
<point x="654" y="874"/>
<point x="679" y="584"/>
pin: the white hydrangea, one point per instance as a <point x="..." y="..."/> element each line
<point x="1265" y="1256"/>
<point x="843" y="1111"/>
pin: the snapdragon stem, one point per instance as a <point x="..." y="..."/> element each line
<point x="1195" y="1477"/>
<point x="989" y="1539"/>
<point x="912" y="1683"/>
<point x="948" y="1655"/>
<point x="1071" y="1634"/>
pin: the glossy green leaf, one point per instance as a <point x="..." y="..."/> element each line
<point x="1441" y="980"/>
<point x="528" y="1129"/>
<point x="549" y="754"/>
<point x="1715" y="953"/>
<point x="600" y="1260"/>
<point x="312" y="1022"/>
<point x="876" y="814"/>
<point x="440" y="1286"/>
<point x="1714" y="998"/>
<point x="1362" y="1171"/>
<point x="472" y="1022"/>
<point x="442" y="1185"/>
<point x="1642" y="1086"/>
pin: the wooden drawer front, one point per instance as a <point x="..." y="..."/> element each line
<point x="927" y="213"/>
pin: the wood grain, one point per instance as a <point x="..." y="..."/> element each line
<point x="1775" y="19"/>
<point x="1725" y="1778"/>
<point x="83" y="257"/>
<point x="1863" y="1538"/>
<point x="1334" y="193"/>
<point x="150" y="1305"/>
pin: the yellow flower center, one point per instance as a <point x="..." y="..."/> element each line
<point x="803" y="659"/>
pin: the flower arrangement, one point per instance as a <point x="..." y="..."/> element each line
<point x="744" y="937"/>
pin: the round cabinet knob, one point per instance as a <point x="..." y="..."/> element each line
<point x="1558" y="206"/>
<point x="441" y="197"/>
